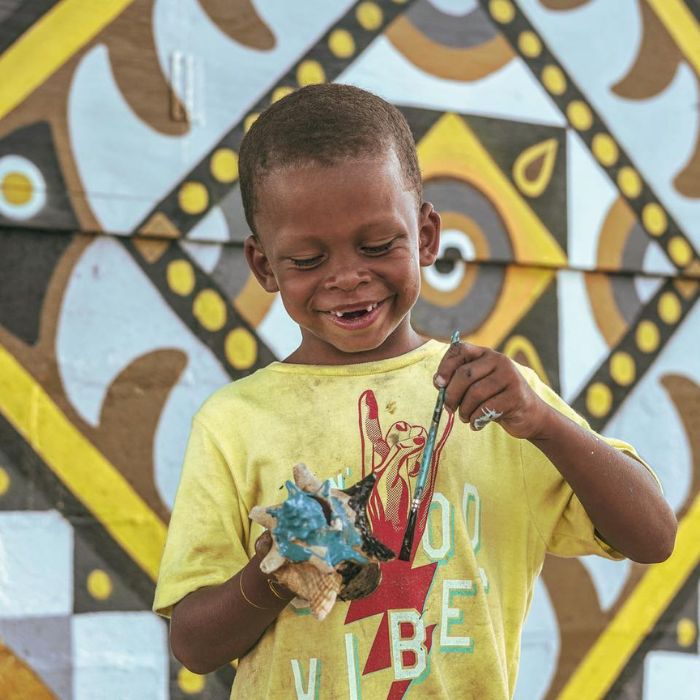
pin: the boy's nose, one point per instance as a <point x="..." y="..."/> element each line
<point x="346" y="277"/>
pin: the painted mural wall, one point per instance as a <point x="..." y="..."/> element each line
<point x="560" y="139"/>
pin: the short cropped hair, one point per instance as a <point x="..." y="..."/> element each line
<point x="323" y="124"/>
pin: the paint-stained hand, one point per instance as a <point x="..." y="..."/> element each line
<point x="483" y="385"/>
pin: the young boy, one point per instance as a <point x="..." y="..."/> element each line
<point x="332" y="194"/>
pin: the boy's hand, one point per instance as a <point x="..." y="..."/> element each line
<point x="483" y="385"/>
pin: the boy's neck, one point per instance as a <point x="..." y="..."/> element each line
<point x="314" y="351"/>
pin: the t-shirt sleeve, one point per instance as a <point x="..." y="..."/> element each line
<point x="558" y="514"/>
<point x="207" y="530"/>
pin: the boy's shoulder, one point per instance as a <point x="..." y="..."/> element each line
<point x="236" y="393"/>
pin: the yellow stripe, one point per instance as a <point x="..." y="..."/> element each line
<point x="49" y="43"/>
<point x="637" y="617"/>
<point x="80" y="466"/>
<point x="682" y="26"/>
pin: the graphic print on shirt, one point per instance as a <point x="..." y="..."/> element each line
<point x="394" y="456"/>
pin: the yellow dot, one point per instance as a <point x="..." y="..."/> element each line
<point x="193" y="197"/>
<point x="310" y="73"/>
<point x="4" y="481"/>
<point x="605" y="149"/>
<point x="99" y="584"/>
<point x="680" y="251"/>
<point x="369" y="15"/>
<point x="669" y="308"/>
<point x="629" y="182"/>
<point x="622" y="368"/>
<point x="209" y="309"/>
<point x="502" y="11"/>
<point x="241" y="348"/>
<point x="598" y="400"/>
<point x="224" y="165"/>
<point x="341" y="43"/>
<point x="281" y="92"/>
<point x="16" y="188"/>
<point x="180" y="276"/>
<point x="579" y="115"/>
<point x="554" y="80"/>
<point x="647" y="336"/>
<point x="529" y="44"/>
<point x="249" y="121"/>
<point x="189" y="682"/>
<point x="654" y="219"/>
<point x="686" y="632"/>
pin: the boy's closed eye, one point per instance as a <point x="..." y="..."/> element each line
<point x="372" y="250"/>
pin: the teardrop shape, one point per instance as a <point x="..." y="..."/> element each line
<point x="533" y="168"/>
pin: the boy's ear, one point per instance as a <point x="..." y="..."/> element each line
<point x="428" y="234"/>
<point x="259" y="264"/>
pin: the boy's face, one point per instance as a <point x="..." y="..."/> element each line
<point x="343" y="244"/>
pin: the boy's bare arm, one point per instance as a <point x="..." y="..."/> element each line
<point x="619" y="495"/>
<point x="214" y="625"/>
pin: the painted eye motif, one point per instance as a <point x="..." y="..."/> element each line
<point x="473" y="232"/>
<point x="22" y="188"/>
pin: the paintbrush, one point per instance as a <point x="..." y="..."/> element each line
<point x="407" y="544"/>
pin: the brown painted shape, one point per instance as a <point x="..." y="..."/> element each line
<point x="656" y="62"/>
<point x="149" y="240"/>
<point x="471" y="63"/>
<point x="687" y="182"/>
<point x="18" y="681"/>
<point x="240" y="21"/>
<point x="563" y="4"/>
<point x="132" y="52"/>
<point x="130" y="415"/>
<point x="685" y="394"/>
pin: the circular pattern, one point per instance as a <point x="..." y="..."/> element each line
<point x="554" y="79"/>
<point x="310" y="73"/>
<point x="598" y="399"/>
<point x="99" y="584"/>
<point x="647" y="336"/>
<point x="210" y="310"/>
<point x="190" y="683"/>
<point x="686" y="632"/>
<point x="249" y="121"/>
<point x="529" y="44"/>
<point x="4" y="481"/>
<point x="280" y="92"/>
<point x="622" y="368"/>
<point x="579" y="115"/>
<point x="22" y="188"/>
<point x="680" y="251"/>
<point x="605" y="149"/>
<point x="241" y="348"/>
<point x="16" y="188"/>
<point x="629" y="182"/>
<point x="669" y="308"/>
<point x="369" y="15"/>
<point x="224" y="165"/>
<point x="341" y="43"/>
<point x="654" y="219"/>
<point x="193" y="197"/>
<point x="502" y="11"/>
<point x="180" y="276"/>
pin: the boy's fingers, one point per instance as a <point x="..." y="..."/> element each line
<point x="479" y="394"/>
<point x="464" y="377"/>
<point x="456" y="355"/>
<point x="488" y="411"/>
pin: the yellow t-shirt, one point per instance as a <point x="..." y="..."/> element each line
<point x="447" y="624"/>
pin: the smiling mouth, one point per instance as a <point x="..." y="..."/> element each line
<point x="357" y="313"/>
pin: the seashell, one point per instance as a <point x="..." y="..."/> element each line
<point x="323" y="547"/>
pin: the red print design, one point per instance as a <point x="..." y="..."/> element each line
<point x="394" y="457"/>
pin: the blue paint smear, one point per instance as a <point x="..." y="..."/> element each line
<point x="301" y="524"/>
